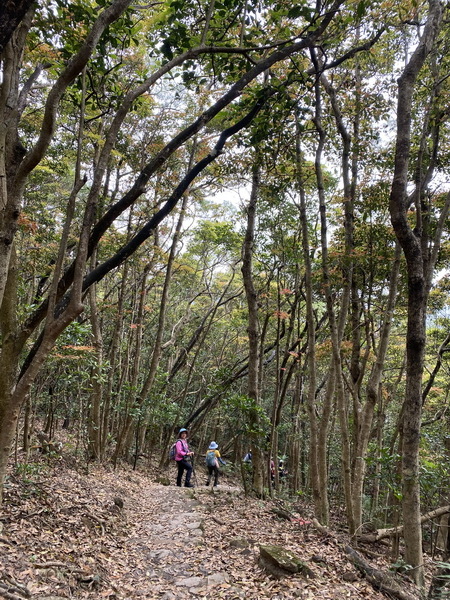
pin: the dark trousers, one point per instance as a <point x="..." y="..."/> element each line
<point x="184" y="465"/>
<point x="211" y="471"/>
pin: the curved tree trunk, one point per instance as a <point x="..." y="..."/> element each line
<point x="417" y="296"/>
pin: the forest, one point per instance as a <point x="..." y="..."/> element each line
<point x="231" y="216"/>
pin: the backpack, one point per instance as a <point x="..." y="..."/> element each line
<point x="211" y="459"/>
<point x="173" y="451"/>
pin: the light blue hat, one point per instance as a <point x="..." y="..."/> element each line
<point x="181" y="430"/>
<point x="213" y="446"/>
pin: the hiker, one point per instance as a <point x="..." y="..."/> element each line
<point x="212" y="463"/>
<point x="248" y="457"/>
<point x="181" y="455"/>
<point x="281" y="469"/>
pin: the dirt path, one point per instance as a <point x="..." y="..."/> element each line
<point x="204" y="543"/>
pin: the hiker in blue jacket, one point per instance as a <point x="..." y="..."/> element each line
<point x="181" y="454"/>
<point x="212" y="463"/>
<point x="248" y="457"/>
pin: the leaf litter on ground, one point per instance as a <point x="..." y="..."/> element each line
<point x="64" y="536"/>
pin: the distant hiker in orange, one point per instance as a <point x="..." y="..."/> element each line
<point x="212" y="463"/>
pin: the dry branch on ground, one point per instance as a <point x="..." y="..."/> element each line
<point x="384" y="533"/>
<point x="382" y="580"/>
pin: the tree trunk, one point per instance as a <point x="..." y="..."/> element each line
<point x="296" y="479"/>
<point x="15" y="167"/>
<point x="11" y="150"/>
<point x="318" y="486"/>
<point x="94" y="421"/>
<point x="253" y="332"/>
<point x="9" y="357"/>
<point x="11" y="14"/>
<point x="157" y="347"/>
<point x="26" y="435"/>
<point x="335" y="328"/>
<point x="373" y="391"/>
<point x="417" y="296"/>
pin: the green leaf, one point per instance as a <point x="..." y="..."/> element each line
<point x="361" y="9"/>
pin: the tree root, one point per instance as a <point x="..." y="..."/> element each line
<point x="324" y="529"/>
<point x="384" y="581"/>
<point x="11" y="590"/>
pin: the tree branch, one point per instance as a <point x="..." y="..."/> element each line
<point x="384" y="533"/>
<point x="139" y="186"/>
<point x="128" y="249"/>
<point x="74" y="68"/>
<point x="384" y="581"/>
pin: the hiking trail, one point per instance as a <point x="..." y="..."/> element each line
<point x="124" y="535"/>
<point x="172" y="538"/>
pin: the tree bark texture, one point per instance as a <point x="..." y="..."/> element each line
<point x="12" y="13"/>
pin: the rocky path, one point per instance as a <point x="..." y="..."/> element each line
<point x="171" y="536"/>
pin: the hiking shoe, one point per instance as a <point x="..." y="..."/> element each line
<point x="189" y="485"/>
<point x="207" y="483"/>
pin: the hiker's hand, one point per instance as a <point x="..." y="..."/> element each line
<point x="191" y="454"/>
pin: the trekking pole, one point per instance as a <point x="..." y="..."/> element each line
<point x="194" y="474"/>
